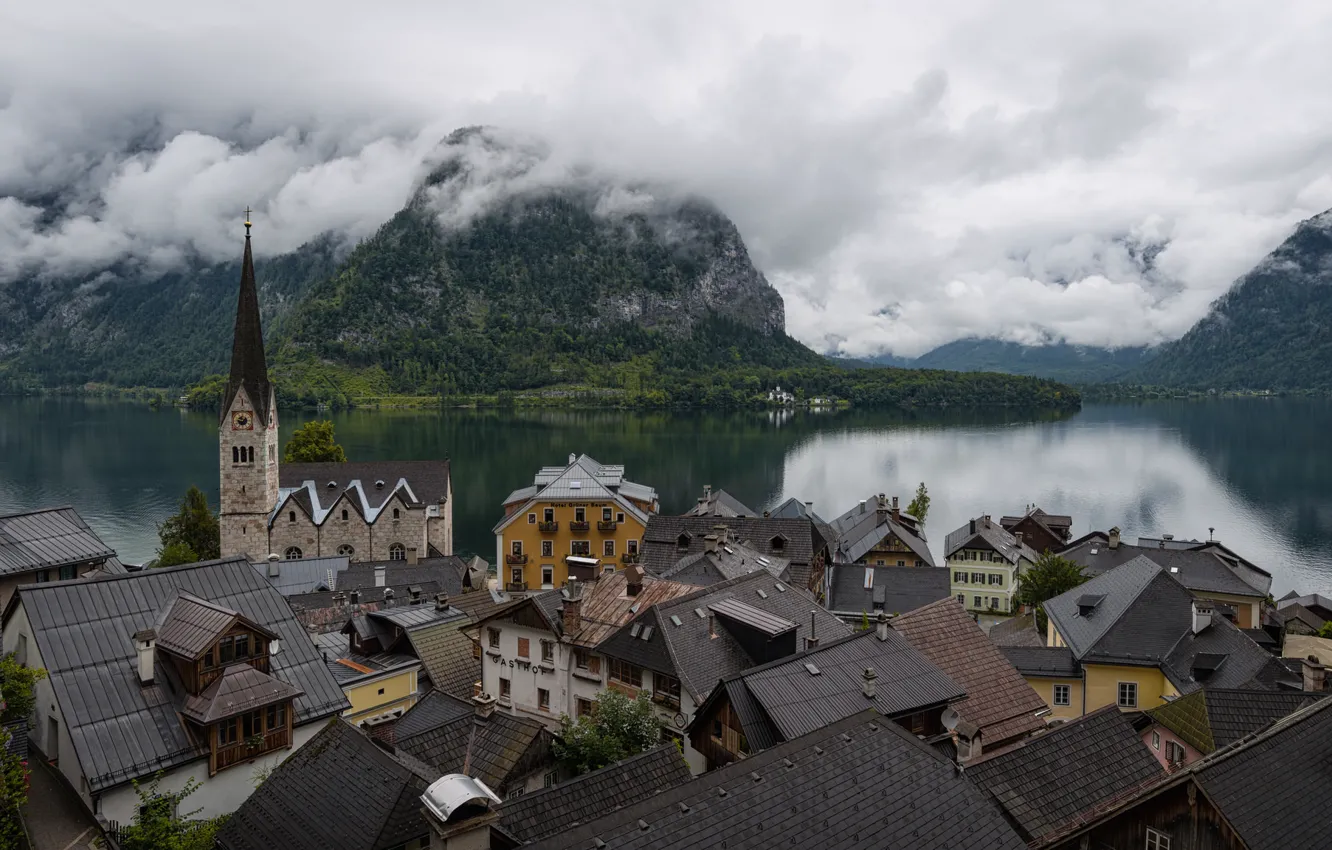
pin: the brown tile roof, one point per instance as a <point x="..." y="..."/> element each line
<point x="606" y="606"/>
<point x="999" y="700"/>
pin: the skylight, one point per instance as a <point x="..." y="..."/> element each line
<point x="761" y="594"/>
<point x="647" y="633"/>
<point x="635" y="629"/>
<point x="675" y="621"/>
<point x="702" y="615"/>
<point x="869" y="578"/>
<point x="781" y="588"/>
<point x="813" y="671"/>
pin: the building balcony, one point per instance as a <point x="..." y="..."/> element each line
<point x="629" y="558"/>
<point x="578" y="527"/>
<point x="516" y="587"/>
<point x="226" y="756"/>
<point x="515" y="559"/>
<point x="667" y="700"/>
<point x="607" y="525"/>
<point x="548" y="527"/>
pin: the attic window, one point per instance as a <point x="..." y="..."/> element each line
<point x="1088" y="602"/>
<point x="778" y="543"/>
<point x="682" y="542"/>
<point x="869" y="578"/>
<point x="291" y="516"/>
<point x="575" y="485"/>
<point x="379" y="485"/>
<point x="344" y="514"/>
<point x="332" y="485"/>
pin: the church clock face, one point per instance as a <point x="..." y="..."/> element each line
<point x="242" y="420"/>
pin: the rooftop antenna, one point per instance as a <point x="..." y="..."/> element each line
<point x="247" y="220"/>
<point x="1210" y="531"/>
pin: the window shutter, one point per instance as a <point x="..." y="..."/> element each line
<point x="523" y="647"/>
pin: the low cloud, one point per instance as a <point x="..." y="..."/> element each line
<point x="1094" y="173"/>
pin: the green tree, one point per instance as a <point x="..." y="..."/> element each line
<point x="1326" y="630"/>
<point x="1050" y="576"/>
<point x="160" y="826"/>
<point x="619" y="728"/>
<point x="313" y="443"/>
<point x="18" y="688"/>
<point x="920" y="506"/>
<point x="192" y="532"/>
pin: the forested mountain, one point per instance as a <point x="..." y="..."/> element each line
<point x="495" y="277"/>
<point x="1077" y="364"/>
<point x="1272" y="330"/>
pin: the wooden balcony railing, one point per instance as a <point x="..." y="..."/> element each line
<point x="516" y="586"/>
<point x="577" y="526"/>
<point x="629" y="558"/>
<point x="236" y="753"/>
<point x="548" y="527"/>
<point x="515" y="559"/>
<point x="606" y="525"/>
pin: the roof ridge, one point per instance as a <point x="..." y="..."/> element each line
<point x="50" y="510"/>
<point x="1051" y="731"/>
<point x="49" y="585"/>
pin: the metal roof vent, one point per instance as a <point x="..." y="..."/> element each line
<point x="761" y="594"/>
<point x="379" y="484"/>
<point x="575" y="485"/>
<point x="448" y="794"/>
<point x="702" y="615"/>
<point x="635" y="629"/>
<point x="332" y="485"/>
<point x="1088" y="602"/>
<point x="813" y="671"/>
<point x="781" y="588"/>
<point x="675" y="621"/>
<point x="647" y="633"/>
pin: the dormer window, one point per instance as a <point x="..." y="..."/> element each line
<point x="778" y="543"/>
<point x="682" y="542"/>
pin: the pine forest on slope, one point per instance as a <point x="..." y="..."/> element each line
<point x="547" y="286"/>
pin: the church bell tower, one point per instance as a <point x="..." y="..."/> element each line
<point x="248" y="430"/>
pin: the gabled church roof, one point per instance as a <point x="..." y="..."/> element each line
<point x="249" y="369"/>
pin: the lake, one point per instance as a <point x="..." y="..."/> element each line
<point x="1258" y="471"/>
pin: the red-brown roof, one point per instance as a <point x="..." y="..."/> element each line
<point x="607" y="606"/>
<point x="999" y="700"/>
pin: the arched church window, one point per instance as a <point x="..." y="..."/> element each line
<point x="235" y="455"/>
<point x="293" y="553"/>
<point x="346" y="549"/>
<point x="344" y="514"/>
<point x="396" y="515"/>
<point x="291" y="516"/>
<point x="249" y="450"/>
<point x="397" y="552"/>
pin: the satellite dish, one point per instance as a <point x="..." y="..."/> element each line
<point x="950" y="719"/>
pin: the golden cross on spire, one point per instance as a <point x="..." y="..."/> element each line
<point x="247" y="219"/>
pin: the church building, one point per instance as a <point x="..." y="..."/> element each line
<point x="369" y="511"/>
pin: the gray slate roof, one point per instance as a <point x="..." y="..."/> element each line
<point x="432" y="711"/>
<point x="988" y="534"/>
<point x="584" y="479"/>
<point x="239" y="689"/>
<point x="863" y="527"/>
<point x="492" y="750"/>
<point x="862" y="782"/>
<point x="793" y="700"/>
<point x="720" y="503"/>
<point x="727" y="562"/>
<point x="895" y="589"/>
<point x="1202" y="570"/>
<point x="52" y="537"/>
<point x="84" y="631"/>
<point x="539" y="814"/>
<point x="339" y="790"/>
<point x="794" y="539"/>
<point x="1048" y="780"/>
<point x="1051" y="662"/>
<point x="428" y="480"/>
<point x="793" y="508"/>
<point x="303" y="575"/>
<point x="699" y="661"/>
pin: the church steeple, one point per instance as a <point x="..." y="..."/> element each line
<point x="249" y="369"/>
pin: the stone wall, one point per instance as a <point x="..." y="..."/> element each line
<point x="286" y="533"/>
<point x="352" y="531"/>
<point x="409" y="529"/>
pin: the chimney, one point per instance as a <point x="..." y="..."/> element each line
<point x="573" y="458"/>
<point x="712" y="625"/>
<point x="355" y="597"/>
<point x="1202" y="615"/>
<point x="460" y="813"/>
<point x="882" y="506"/>
<point x="812" y="641"/>
<point x="1017" y="539"/>
<point x="412" y="557"/>
<point x="809" y="507"/>
<point x="144" y="641"/>
<point x="723" y="534"/>
<point x="1114" y="538"/>
<point x="867" y="682"/>
<point x="381" y="575"/>
<point x="573" y="622"/>
<point x="441" y="602"/>
<point x="707" y="492"/>
<point x="484" y="704"/>
<point x="987" y="520"/>
<point x="862" y="506"/>
<point x="973" y="526"/>
<point x="1315" y="674"/>
<point x="633" y="577"/>
<point x="881" y="626"/>
<point x="710" y="543"/>
<point x="274" y="565"/>
<point x="388" y="597"/>
<point x="896" y="511"/>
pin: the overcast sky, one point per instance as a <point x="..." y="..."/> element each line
<point x="904" y="173"/>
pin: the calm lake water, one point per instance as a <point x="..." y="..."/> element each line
<point x="1258" y="471"/>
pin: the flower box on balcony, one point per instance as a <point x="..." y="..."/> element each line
<point x="515" y="559"/>
<point x="548" y="527"/>
<point x="606" y="525"/>
<point x="576" y="526"/>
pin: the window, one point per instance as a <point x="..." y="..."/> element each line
<point x="879" y="563"/>
<point x="778" y="543"/>
<point x="291" y="516"/>
<point x="961" y="599"/>
<point x="1157" y="840"/>
<point x="277" y="716"/>
<point x="959" y="577"/>
<point x="381" y="692"/>
<point x="549" y="780"/>
<point x="68" y="572"/>
<point x="548" y="652"/>
<point x="666" y="689"/>
<point x="547" y="548"/>
<point x="1063" y="695"/>
<point x="226" y="651"/>
<point x="493" y="635"/>
<point x="524" y="648"/>
<point x="252" y="723"/>
<point x="543" y="699"/>
<point x="1128" y="694"/>
<point x="208" y="658"/>
<point x="346" y="549"/>
<point x="582" y="707"/>
<point x="619" y="516"/>
<point x="582" y="548"/>
<point x="1175" y="753"/>
<point x="21" y="654"/>
<point x="633" y="547"/>
<point x="1156" y="740"/>
<point x="531" y="519"/>
<point x="242" y="646"/>
<point x="250" y="452"/>
<point x="997" y="578"/>
<point x="516" y="575"/>
<point x="397" y="552"/>
<point x="293" y="553"/>
<point x="976" y="602"/>
<point x="580" y="514"/>
<point x="548" y="514"/>
<point x="505" y="688"/>
<point x="344" y="514"/>
<point x="396" y="514"/>
<point x="626" y="673"/>
<point x="516" y="547"/>
<point x="901" y="563"/>
<point x="514" y="793"/>
<point x="605" y="514"/>
<point x="978" y="578"/>
<point x="547" y="575"/>
<point x="235" y="455"/>
<point x="227" y="732"/>
<point x="586" y="661"/>
<point x="994" y="603"/>
<point x="869" y="578"/>
<point x="608" y="548"/>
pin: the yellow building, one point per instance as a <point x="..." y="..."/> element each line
<point x="381" y="687"/>
<point x="1053" y="673"/>
<point x="583" y="518"/>
<point x="1138" y="639"/>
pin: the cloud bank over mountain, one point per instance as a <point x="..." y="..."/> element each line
<point x="905" y="174"/>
